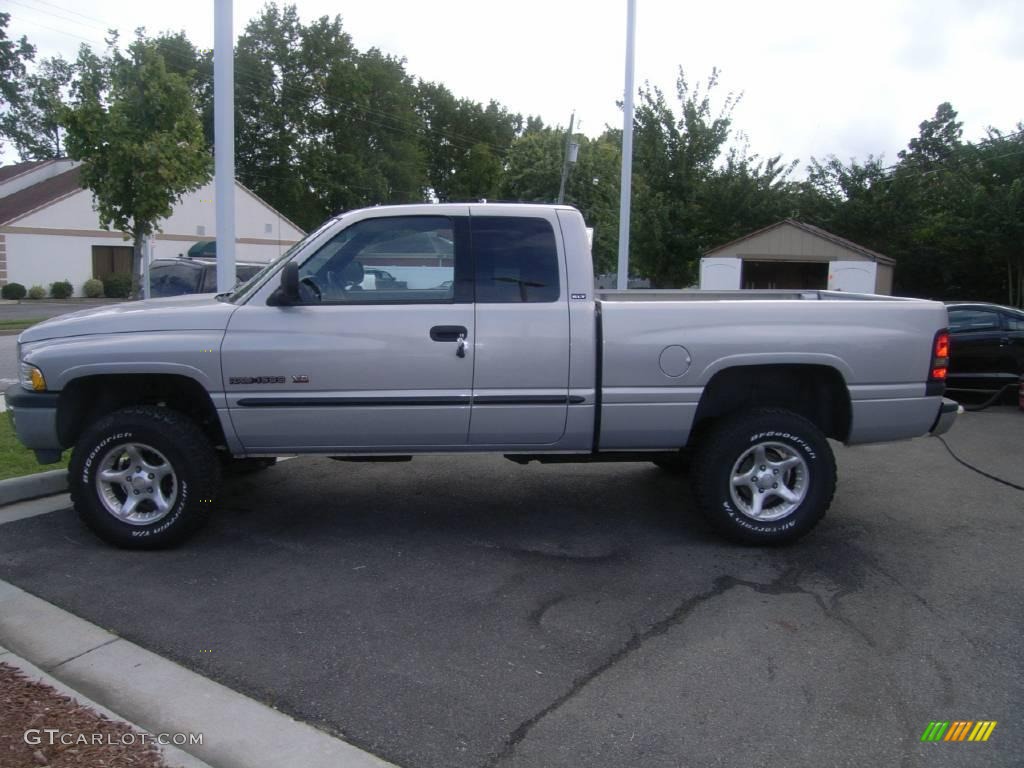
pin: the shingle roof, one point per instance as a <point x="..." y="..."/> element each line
<point x="47" y="191"/>
<point x="817" y="232"/>
<point x="10" y="171"/>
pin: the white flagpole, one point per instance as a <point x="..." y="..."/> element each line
<point x="224" y="142"/>
<point x="626" y="185"/>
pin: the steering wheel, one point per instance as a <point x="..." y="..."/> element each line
<point x="309" y="291"/>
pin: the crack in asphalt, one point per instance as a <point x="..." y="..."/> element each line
<point x="785" y="584"/>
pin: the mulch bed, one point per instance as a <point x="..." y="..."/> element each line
<point x="93" y="740"/>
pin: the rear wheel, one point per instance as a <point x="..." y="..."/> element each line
<point x="143" y="477"/>
<point x="765" y="476"/>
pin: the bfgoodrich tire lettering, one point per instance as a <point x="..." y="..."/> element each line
<point x="163" y="443"/>
<point x="765" y="476"/>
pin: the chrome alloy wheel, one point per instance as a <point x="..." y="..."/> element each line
<point x="769" y="481"/>
<point x="136" y="483"/>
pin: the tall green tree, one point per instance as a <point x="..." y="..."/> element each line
<point x="34" y="123"/>
<point x="533" y="173"/>
<point x="13" y="56"/>
<point x="320" y="126"/>
<point x="272" y="98"/>
<point x="465" y="143"/>
<point x="134" y="126"/>
<point x="691" y="190"/>
<point x="997" y="204"/>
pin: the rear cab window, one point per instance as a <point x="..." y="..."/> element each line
<point x="516" y="260"/>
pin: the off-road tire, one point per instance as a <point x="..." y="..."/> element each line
<point x="727" y="441"/>
<point x="182" y="443"/>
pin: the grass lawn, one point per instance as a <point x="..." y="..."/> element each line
<point x="16" y="459"/>
<point x="17" y="324"/>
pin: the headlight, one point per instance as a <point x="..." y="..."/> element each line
<point x="32" y="378"/>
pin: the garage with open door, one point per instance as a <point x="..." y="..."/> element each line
<point x="792" y="255"/>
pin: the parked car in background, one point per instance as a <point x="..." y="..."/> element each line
<point x="986" y="346"/>
<point x="177" y="277"/>
<point x="384" y="279"/>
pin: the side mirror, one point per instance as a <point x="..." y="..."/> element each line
<point x="287" y="293"/>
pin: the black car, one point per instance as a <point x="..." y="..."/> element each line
<point x="986" y="346"/>
<point x="176" y="277"/>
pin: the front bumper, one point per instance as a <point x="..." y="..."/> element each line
<point x="948" y="412"/>
<point x="34" y="418"/>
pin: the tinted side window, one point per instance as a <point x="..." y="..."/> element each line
<point x="1016" y="322"/>
<point x="966" y="320"/>
<point x="516" y="260"/>
<point x="395" y="259"/>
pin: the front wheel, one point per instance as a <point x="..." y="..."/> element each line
<point x="143" y="477"/>
<point x="765" y="476"/>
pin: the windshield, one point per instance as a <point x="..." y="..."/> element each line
<point x="242" y="291"/>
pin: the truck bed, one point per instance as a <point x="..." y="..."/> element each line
<point x="693" y="294"/>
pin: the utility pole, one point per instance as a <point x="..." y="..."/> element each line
<point x="224" y="142"/>
<point x="626" y="183"/>
<point x="147" y="257"/>
<point x="565" y="160"/>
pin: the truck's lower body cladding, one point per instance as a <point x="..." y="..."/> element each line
<point x="593" y="458"/>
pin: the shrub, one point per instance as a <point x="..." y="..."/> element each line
<point x="37" y="292"/>
<point x="93" y="289"/>
<point x="62" y="289"/>
<point x="117" y="286"/>
<point x="13" y="291"/>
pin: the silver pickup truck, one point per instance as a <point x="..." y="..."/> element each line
<point x="393" y="331"/>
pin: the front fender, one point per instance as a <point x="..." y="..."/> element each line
<point x="194" y="354"/>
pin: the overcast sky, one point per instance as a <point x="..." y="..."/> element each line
<point x="817" y="78"/>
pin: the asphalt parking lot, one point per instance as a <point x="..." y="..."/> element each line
<point x="466" y="611"/>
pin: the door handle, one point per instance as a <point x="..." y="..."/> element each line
<point x="460" y="350"/>
<point x="448" y="332"/>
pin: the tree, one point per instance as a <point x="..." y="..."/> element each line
<point x="686" y="199"/>
<point x="13" y="55"/>
<point x="533" y="172"/>
<point x="34" y="123"/>
<point x="465" y="143"/>
<point x="950" y="212"/>
<point x="134" y="126"/>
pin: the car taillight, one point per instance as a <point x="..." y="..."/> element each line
<point x="940" y="356"/>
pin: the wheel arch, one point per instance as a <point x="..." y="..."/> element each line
<point x="85" y="399"/>
<point x="818" y="392"/>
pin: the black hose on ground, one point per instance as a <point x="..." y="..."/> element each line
<point x="992" y="400"/>
<point x="981" y="472"/>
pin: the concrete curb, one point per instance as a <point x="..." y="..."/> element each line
<point x="163" y="697"/>
<point x="173" y="756"/>
<point x="33" y="486"/>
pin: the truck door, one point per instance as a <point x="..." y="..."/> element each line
<point x="365" y="362"/>
<point x="521" y="376"/>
